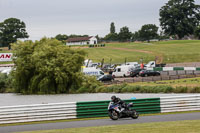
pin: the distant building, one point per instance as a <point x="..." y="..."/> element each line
<point x="82" y="40"/>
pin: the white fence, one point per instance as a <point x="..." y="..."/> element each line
<point x="180" y="103"/>
<point x="37" y="112"/>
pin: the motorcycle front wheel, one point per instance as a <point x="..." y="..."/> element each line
<point x="113" y="115"/>
<point x="135" y="114"/>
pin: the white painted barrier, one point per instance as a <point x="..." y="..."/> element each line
<point x="68" y="110"/>
<point x="180" y="103"/>
<point x="37" y="112"/>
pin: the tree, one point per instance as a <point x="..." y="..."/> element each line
<point x="111" y="37"/>
<point x="179" y="17"/>
<point x="124" y="34"/>
<point x="136" y="36"/>
<point x="112" y="28"/>
<point x="11" y="30"/>
<point x="163" y="36"/>
<point x="46" y="66"/>
<point x="197" y="32"/>
<point x="99" y="39"/>
<point x="148" y="31"/>
<point x="61" y="38"/>
<point x="73" y="35"/>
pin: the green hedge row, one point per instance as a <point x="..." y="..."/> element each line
<point x="91" y="85"/>
<point x="125" y="88"/>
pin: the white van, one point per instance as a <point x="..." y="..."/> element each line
<point x="123" y="71"/>
<point x="93" y="71"/>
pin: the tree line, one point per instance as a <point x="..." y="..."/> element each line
<point x="146" y="33"/>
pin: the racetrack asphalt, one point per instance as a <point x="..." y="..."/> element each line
<point x="101" y="122"/>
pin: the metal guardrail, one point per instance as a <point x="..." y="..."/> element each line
<point x="174" y="68"/>
<point x="37" y="112"/>
<point x="71" y="110"/>
<point x="100" y="108"/>
<point x="180" y="103"/>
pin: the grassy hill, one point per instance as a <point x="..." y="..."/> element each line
<point x="178" y="51"/>
<point x="164" y="52"/>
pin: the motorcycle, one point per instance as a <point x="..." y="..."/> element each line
<point x="115" y="111"/>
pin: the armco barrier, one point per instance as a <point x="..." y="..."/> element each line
<point x="180" y="103"/>
<point x="100" y="108"/>
<point x="71" y="110"/>
<point x="37" y="112"/>
<point x="174" y="68"/>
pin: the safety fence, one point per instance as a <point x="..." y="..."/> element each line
<point x="180" y="103"/>
<point x="149" y="79"/>
<point x="72" y="110"/>
<point x="100" y="108"/>
<point x="37" y="112"/>
<point x="175" y="68"/>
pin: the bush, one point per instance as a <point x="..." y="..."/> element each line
<point x="5" y="83"/>
<point x="140" y="89"/>
<point x="132" y="89"/>
<point x="196" y="90"/>
<point x="181" y="89"/>
<point x="3" y="78"/>
<point x="101" y="89"/>
<point x="117" y="88"/>
<point x="89" y="85"/>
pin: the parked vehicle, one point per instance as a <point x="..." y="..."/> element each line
<point x="145" y="73"/>
<point x="152" y="64"/>
<point x="131" y="63"/>
<point x="93" y="72"/>
<point x="108" y="77"/>
<point x="123" y="71"/>
<point x="89" y="63"/>
<point x="135" y="72"/>
<point x="115" y="111"/>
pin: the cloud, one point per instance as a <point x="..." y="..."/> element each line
<point x="50" y="17"/>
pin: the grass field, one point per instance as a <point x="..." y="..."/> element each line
<point x="166" y="51"/>
<point x="156" y="127"/>
<point x="117" y="56"/>
<point x="191" y="82"/>
<point x="178" y="51"/>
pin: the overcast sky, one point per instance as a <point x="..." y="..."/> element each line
<point x="51" y="17"/>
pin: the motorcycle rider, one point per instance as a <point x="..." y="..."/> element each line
<point x="117" y="100"/>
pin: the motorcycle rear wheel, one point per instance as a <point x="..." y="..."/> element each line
<point x="135" y="114"/>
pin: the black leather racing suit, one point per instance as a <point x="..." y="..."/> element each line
<point x="120" y="102"/>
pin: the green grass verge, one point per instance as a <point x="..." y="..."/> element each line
<point x="188" y="126"/>
<point x="189" y="82"/>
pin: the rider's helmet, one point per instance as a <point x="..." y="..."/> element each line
<point x="113" y="98"/>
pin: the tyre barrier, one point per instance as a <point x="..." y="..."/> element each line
<point x="73" y="110"/>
